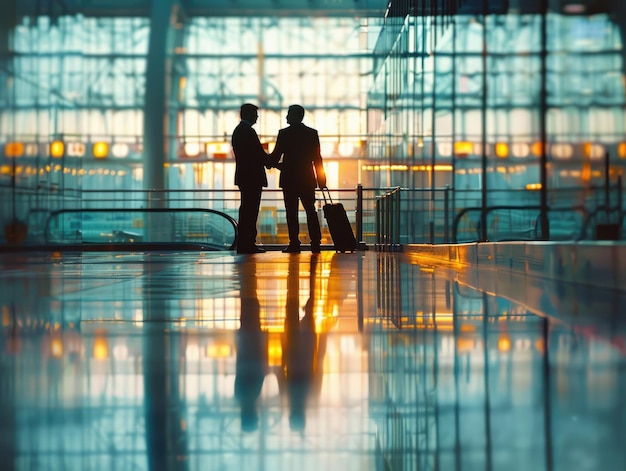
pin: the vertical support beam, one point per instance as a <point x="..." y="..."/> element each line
<point x="7" y="25"/>
<point x="454" y="72"/>
<point x="433" y="120"/>
<point x="618" y="16"/>
<point x="483" y="186"/>
<point x="544" y="233"/>
<point x="176" y="68"/>
<point x="155" y="107"/>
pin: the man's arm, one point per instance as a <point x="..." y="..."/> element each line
<point x="274" y="157"/>
<point x="318" y="164"/>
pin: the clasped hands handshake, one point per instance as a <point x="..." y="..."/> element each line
<point x="321" y="185"/>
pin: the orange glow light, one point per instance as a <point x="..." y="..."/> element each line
<point x="14" y="149"/>
<point x="274" y="351"/>
<point x="56" y="347"/>
<point x="537" y="148"/>
<point x="504" y="344"/>
<point x="100" y="348"/>
<point x="621" y="150"/>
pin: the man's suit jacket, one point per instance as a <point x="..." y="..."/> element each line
<point x="250" y="158"/>
<point x="299" y="146"/>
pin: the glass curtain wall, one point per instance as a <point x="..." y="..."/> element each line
<point x="71" y="108"/>
<point x="456" y="103"/>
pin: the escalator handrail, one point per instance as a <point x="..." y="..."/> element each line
<point x="230" y="219"/>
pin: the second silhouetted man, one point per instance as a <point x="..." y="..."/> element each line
<point x="297" y="155"/>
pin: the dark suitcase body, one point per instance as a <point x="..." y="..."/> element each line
<point x="339" y="226"/>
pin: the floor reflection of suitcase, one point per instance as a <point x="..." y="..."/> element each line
<point x="338" y="224"/>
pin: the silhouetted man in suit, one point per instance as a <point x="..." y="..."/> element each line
<point x="301" y="171"/>
<point x="250" y="177"/>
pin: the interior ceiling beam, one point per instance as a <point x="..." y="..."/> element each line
<point x="314" y="8"/>
<point x="208" y="8"/>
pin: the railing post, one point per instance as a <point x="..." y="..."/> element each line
<point x="607" y="187"/>
<point x="446" y="199"/>
<point x="619" y="194"/>
<point x="387" y="218"/>
<point x="377" y="220"/>
<point x="359" y="215"/>
<point x="396" y="240"/>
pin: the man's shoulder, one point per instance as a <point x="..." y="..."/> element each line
<point x="309" y="130"/>
<point x="298" y="129"/>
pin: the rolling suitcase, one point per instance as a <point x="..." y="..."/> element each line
<point x="338" y="224"/>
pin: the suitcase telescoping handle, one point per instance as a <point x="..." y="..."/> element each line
<point x="324" y="195"/>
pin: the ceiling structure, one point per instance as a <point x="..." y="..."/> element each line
<point x="315" y="8"/>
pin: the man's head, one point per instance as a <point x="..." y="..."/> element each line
<point x="249" y="112"/>
<point x="295" y="114"/>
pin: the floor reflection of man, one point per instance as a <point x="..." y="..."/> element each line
<point x="299" y="343"/>
<point x="251" y="342"/>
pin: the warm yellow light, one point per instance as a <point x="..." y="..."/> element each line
<point x="463" y="148"/>
<point x="182" y="82"/>
<point x="465" y="345"/>
<point x="100" y="150"/>
<point x="56" y="347"/>
<point x="502" y="150"/>
<point x="14" y="149"/>
<point x="533" y="186"/>
<point x="218" y="350"/>
<point x="467" y="328"/>
<point x="217" y="150"/>
<point x="57" y="149"/>
<point x="504" y="344"/>
<point x="428" y="168"/>
<point x="274" y="351"/>
<point x="100" y="348"/>
<point x="621" y="150"/>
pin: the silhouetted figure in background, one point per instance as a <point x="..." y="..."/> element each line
<point x="299" y="344"/>
<point x="250" y="177"/>
<point x="301" y="171"/>
<point x="251" y="341"/>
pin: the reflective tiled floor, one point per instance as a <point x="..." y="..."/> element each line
<point x="366" y="361"/>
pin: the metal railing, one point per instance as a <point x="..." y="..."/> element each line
<point x="386" y="218"/>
